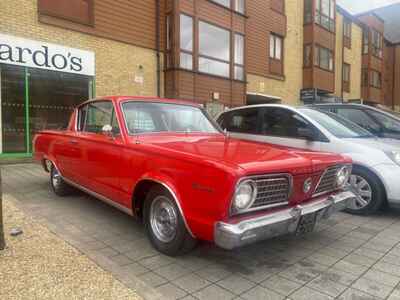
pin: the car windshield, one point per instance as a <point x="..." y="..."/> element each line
<point x="336" y="125"/>
<point x="150" y="117"/>
<point x="390" y="124"/>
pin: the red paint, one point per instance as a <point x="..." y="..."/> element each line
<point x="201" y="169"/>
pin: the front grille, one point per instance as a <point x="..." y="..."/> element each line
<point x="327" y="182"/>
<point x="272" y="191"/>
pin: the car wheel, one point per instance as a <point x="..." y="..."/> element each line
<point x="369" y="191"/>
<point x="164" y="224"/>
<point x="58" y="185"/>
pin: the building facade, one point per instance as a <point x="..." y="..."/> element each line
<point x="221" y="53"/>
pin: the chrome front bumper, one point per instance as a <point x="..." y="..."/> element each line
<point x="230" y="236"/>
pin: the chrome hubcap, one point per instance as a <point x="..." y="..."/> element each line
<point x="363" y="192"/>
<point x="56" y="178"/>
<point x="163" y="219"/>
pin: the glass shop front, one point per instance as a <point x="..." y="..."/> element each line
<point x="34" y="99"/>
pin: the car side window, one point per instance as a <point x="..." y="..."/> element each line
<point x="94" y="115"/>
<point x="242" y="121"/>
<point x="360" y="118"/>
<point x="282" y="123"/>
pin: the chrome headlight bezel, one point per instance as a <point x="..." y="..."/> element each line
<point x="343" y="176"/>
<point x="394" y="155"/>
<point x="246" y="188"/>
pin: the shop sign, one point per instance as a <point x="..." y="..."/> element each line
<point x="33" y="54"/>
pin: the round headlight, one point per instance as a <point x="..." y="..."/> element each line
<point x="343" y="176"/>
<point x="244" y="195"/>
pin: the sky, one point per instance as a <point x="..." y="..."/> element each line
<point x="358" y="6"/>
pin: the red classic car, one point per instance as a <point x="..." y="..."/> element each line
<point x="168" y="163"/>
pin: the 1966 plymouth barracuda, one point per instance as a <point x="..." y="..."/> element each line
<point x="167" y="162"/>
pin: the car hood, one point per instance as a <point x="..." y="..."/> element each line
<point x="252" y="157"/>
<point x="383" y="144"/>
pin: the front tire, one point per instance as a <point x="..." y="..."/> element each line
<point x="58" y="185"/>
<point x="164" y="224"/>
<point x="370" y="192"/>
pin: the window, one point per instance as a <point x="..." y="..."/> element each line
<point x="360" y="118"/>
<point x="186" y="42"/>
<point x="281" y="123"/>
<point x="169" y="41"/>
<point x="239" y="6"/>
<point x="95" y="115"/>
<point x="308" y="11"/>
<point x="365" y="41"/>
<point x="226" y="3"/>
<point x="323" y="58"/>
<point x="377" y="44"/>
<point x="79" y="11"/>
<point x="239" y="57"/>
<point x="390" y="125"/>
<point x="346" y="73"/>
<point x="214" y="50"/>
<point x="376" y="79"/>
<point x="275" y="46"/>
<point x="347" y="28"/>
<point x="336" y="125"/>
<point x="241" y="121"/>
<point x="346" y="77"/>
<point x="325" y="14"/>
<point x="364" y="79"/>
<point x="146" y="117"/>
<point x="307" y="56"/>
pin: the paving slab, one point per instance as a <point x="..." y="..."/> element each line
<point x="340" y="259"/>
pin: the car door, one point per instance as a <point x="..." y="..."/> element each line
<point x="101" y="164"/>
<point x="275" y="125"/>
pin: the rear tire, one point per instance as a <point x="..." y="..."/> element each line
<point x="58" y="185"/>
<point x="371" y="195"/>
<point x="164" y="224"/>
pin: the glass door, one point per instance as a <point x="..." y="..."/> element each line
<point x="52" y="98"/>
<point x="13" y="112"/>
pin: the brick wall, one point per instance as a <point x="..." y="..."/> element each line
<point x="117" y="63"/>
<point x="289" y="87"/>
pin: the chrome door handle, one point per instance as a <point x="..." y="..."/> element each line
<point x="74" y="142"/>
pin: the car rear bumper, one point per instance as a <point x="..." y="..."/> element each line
<point x="234" y="235"/>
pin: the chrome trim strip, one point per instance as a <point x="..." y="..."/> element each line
<point x="94" y="194"/>
<point x="322" y="176"/>
<point x="100" y="197"/>
<point x="287" y="175"/>
<point x="176" y="200"/>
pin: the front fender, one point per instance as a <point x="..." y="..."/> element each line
<point x="168" y="183"/>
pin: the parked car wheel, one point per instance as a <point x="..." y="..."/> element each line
<point x="58" y="185"/>
<point x="164" y="224"/>
<point x="370" y="192"/>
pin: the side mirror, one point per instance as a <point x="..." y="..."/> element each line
<point x="107" y="130"/>
<point x="306" y="133"/>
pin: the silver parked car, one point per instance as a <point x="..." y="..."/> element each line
<point x="376" y="170"/>
<point x="382" y="123"/>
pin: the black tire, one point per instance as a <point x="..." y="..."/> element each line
<point x="182" y="241"/>
<point x="378" y="200"/>
<point x="61" y="188"/>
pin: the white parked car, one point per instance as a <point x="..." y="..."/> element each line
<point x="376" y="169"/>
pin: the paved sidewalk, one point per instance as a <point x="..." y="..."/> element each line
<point x="39" y="265"/>
<point x="348" y="257"/>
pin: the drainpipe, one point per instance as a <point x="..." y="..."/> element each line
<point x="158" y="48"/>
<point x="393" y="77"/>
